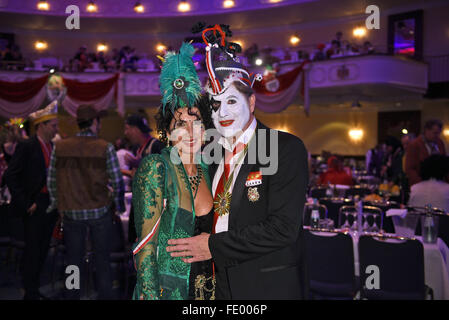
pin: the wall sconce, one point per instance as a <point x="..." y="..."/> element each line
<point x="359" y="32"/>
<point x="294" y="40"/>
<point x="40" y="45"/>
<point x="102" y="47"/>
<point x="355" y="134"/>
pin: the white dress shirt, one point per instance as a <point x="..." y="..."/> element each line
<point x="223" y="221"/>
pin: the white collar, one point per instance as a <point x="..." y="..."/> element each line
<point x="243" y="138"/>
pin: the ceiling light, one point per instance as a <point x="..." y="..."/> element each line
<point x="92" y="7"/>
<point x="404" y="131"/>
<point x="43" y="5"/>
<point x="184" y="6"/>
<point x="102" y="47"/>
<point x="258" y="62"/>
<point x="228" y="4"/>
<point x="294" y="40"/>
<point x="139" y="8"/>
<point x="274" y="1"/>
<point x="40" y="45"/>
<point x="446" y="132"/>
<point x="359" y="32"/>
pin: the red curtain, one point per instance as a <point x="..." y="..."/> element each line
<point x="89" y="91"/>
<point x="21" y="91"/>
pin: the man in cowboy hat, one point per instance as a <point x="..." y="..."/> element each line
<point x="26" y="178"/>
<point x="81" y="169"/>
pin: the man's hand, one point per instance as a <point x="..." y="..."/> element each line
<point x="197" y="248"/>
<point x="32" y="209"/>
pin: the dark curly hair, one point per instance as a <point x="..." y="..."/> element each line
<point x="163" y="121"/>
<point x="436" y="166"/>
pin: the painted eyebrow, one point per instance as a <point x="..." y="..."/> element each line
<point x="231" y="97"/>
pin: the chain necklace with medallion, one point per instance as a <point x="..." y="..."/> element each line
<point x="222" y="205"/>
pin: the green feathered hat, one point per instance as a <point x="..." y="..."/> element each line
<point x="179" y="83"/>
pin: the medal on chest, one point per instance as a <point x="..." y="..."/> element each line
<point x="222" y="203"/>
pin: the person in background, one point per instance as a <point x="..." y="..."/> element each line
<point x="421" y="148"/>
<point x="123" y="149"/>
<point x="138" y="133"/>
<point x="392" y="168"/>
<point x="26" y="178"/>
<point x="376" y="157"/>
<point x="335" y="173"/>
<point x="433" y="188"/>
<point x="82" y="195"/>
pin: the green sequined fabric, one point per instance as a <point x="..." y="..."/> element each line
<point x="160" y="276"/>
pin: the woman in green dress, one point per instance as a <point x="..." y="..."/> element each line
<point x="172" y="190"/>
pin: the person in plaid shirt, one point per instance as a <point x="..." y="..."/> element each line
<point x="82" y="171"/>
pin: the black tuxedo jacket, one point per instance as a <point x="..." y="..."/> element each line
<point x="260" y="256"/>
<point x="26" y="174"/>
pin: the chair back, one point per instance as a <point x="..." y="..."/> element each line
<point x="400" y="267"/>
<point x="329" y="259"/>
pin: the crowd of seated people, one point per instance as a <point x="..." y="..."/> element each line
<point x="125" y="59"/>
<point x="339" y="48"/>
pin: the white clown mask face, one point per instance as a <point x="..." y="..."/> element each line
<point x="230" y="112"/>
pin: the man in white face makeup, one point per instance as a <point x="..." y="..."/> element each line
<point x="256" y="243"/>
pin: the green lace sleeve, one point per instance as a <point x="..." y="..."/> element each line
<point x="148" y="199"/>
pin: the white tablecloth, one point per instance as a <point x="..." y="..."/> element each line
<point x="436" y="264"/>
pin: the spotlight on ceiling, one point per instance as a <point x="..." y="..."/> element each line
<point x="43" y="5"/>
<point x="138" y="7"/>
<point x="228" y="4"/>
<point x="184" y="6"/>
<point x="258" y="62"/>
<point x="91" y="7"/>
